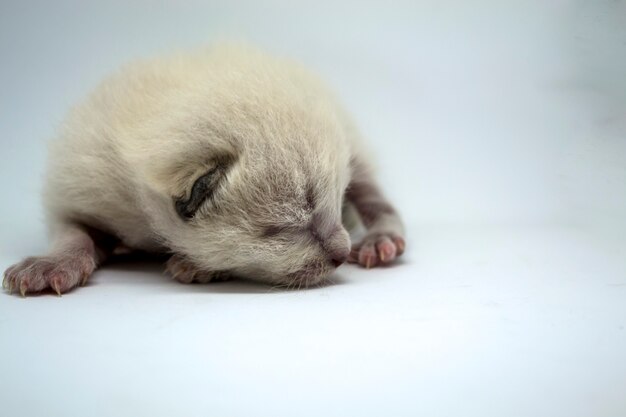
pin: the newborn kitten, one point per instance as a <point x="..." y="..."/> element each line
<point x="234" y="162"/>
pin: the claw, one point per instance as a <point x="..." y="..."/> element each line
<point x="400" y="245"/>
<point x="10" y="287"/>
<point x="83" y="281"/>
<point x="4" y="283"/>
<point x="382" y="256"/>
<point x="55" y="286"/>
<point x="368" y="262"/>
<point x="23" y="288"/>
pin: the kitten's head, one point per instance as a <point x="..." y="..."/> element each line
<point x="253" y="186"/>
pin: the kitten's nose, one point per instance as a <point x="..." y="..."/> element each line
<point x="338" y="253"/>
<point x="332" y="237"/>
<point x="338" y="256"/>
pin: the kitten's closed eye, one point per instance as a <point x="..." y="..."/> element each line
<point x="202" y="190"/>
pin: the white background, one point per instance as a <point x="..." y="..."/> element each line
<point x="500" y="134"/>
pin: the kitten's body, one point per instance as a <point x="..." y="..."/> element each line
<point x="233" y="161"/>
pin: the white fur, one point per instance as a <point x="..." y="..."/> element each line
<point x="145" y="135"/>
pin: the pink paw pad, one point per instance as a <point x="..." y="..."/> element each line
<point x="61" y="274"/>
<point x="377" y="250"/>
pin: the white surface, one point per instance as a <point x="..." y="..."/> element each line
<point x="475" y="322"/>
<point x="500" y="133"/>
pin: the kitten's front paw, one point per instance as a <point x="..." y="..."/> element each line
<point x="60" y="273"/>
<point x="181" y="269"/>
<point x="376" y="249"/>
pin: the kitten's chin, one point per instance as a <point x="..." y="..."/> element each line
<point x="312" y="274"/>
